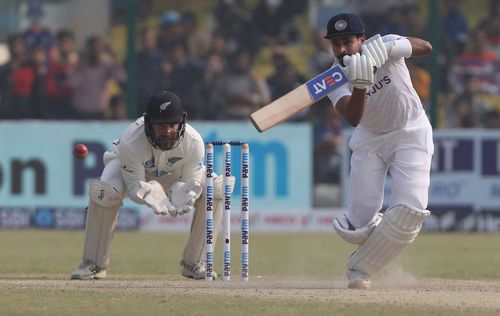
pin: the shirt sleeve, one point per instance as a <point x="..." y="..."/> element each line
<point x="402" y="46"/>
<point x="132" y="170"/>
<point x="193" y="168"/>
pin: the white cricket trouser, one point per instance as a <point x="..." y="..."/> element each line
<point x="406" y="154"/>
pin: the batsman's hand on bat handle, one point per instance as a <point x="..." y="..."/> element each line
<point x="359" y="69"/>
<point x="377" y="50"/>
<point x="152" y="193"/>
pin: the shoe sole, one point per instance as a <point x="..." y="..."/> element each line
<point x="79" y="277"/>
<point x="214" y="276"/>
<point x="98" y="276"/>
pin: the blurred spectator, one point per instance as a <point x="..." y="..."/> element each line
<point x="491" y="26"/>
<point x="38" y="95"/>
<point x="196" y="40"/>
<point x="226" y="12"/>
<point x="453" y="37"/>
<point x="284" y="79"/>
<point x="462" y="116"/>
<point x="233" y="21"/>
<point x="275" y="22"/>
<point x="214" y="70"/>
<point x="478" y="61"/>
<point x="394" y="22"/>
<point x="16" y="47"/>
<point x="171" y="31"/>
<point x="17" y="81"/>
<point x="327" y="144"/>
<point x="117" y="108"/>
<point x="421" y="80"/>
<point x="468" y="109"/>
<point x="454" y="26"/>
<point x="56" y="85"/>
<point x="217" y="62"/>
<point x="220" y="47"/>
<point x="491" y="119"/>
<point x="37" y="33"/>
<point x="96" y="67"/>
<point x="149" y="72"/>
<point x="321" y="59"/>
<point x="415" y="22"/>
<point x="320" y="11"/>
<point x="492" y="29"/>
<point x="184" y="75"/>
<point x="239" y="91"/>
<point x="372" y="15"/>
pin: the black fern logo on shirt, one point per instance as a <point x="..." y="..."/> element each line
<point x="173" y="160"/>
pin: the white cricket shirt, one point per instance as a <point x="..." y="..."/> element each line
<point x="392" y="103"/>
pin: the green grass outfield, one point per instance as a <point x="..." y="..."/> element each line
<point x="290" y="274"/>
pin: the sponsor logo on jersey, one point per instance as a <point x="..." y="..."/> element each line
<point x="379" y="85"/>
<point x="124" y="167"/>
<point x="150" y="163"/>
<point x="161" y="173"/>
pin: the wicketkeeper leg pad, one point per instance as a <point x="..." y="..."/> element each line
<point x="194" y="251"/>
<point x="398" y="228"/>
<point x="104" y="203"/>
<point x="353" y="235"/>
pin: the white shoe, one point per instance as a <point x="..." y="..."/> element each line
<point x="358" y="279"/>
<point x="194" y="271"/>
<point x="88" y="270"/>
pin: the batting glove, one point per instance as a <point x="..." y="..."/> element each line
<point x="375" y="49"/>
<point x="152" y="193"/>
<point x="359" y="69"/>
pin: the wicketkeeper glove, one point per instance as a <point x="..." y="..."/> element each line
<point x="152" y="193"/>
<point x="183" y="196"/>
<point x="359" y="69"/>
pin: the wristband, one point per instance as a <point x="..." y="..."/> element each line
<point x="402" y="48"/>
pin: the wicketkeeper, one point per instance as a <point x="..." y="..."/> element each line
<point x="157" y="161"/>
<point x="392" y="135"/>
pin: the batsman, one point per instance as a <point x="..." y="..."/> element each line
<point x="157" y="161"/>
<point x="392" y="136"/>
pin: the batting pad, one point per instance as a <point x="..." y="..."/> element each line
<point x="194" y="251"/>
<point x="355" y="236"/>
<point x="104" y="203"/>
<point x="399" y="227"/>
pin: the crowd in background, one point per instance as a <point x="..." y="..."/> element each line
<point x="212" y="67"/>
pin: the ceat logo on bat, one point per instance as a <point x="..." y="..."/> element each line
<point x="326" y="82"/>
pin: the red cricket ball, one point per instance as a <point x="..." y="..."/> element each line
<point x="80" y="151"/>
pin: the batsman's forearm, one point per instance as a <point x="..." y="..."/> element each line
<point x="420" y="47"/>
<point x="354" y="106"/>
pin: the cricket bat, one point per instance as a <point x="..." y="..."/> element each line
<point x="298" y="99"/>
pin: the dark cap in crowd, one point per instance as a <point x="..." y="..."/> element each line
<point x="165" y="107"/>
<point x="170" y="17"/>
<point x="343" y="25"/>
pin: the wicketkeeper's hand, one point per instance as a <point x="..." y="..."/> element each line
<point x="183" y="196"/>
<point x="359" y="69"/>
<point x="152" y="193"/>
<point x="375" y="49"/>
